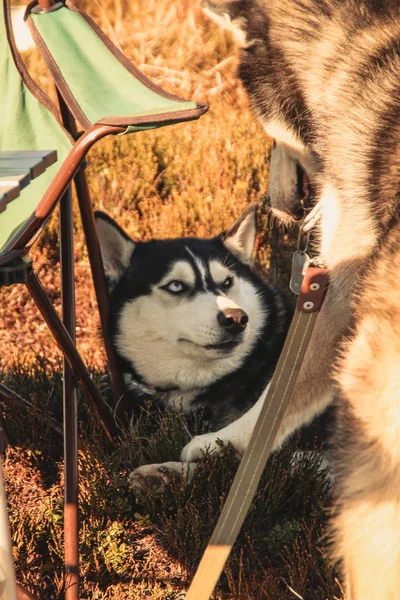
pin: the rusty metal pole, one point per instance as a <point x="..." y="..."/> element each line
<point x="100" y="286"/>
<point x="63" y="339"/>
<point x="71" y="519"/>
<point x="8" y="587"/>
<point x="96" y="265"/>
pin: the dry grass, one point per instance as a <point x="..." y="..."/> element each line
<point x="147" y="546"/>
<point x="190" y="179"/>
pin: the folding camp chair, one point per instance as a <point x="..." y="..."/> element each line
<point x="119" y="100"/>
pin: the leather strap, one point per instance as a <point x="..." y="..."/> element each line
<point x="244" y="486"/>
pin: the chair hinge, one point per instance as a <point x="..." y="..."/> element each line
<point x="16" y="271"/>
<point x="38" y="10"/>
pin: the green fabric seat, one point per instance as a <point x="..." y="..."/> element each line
<point x="25" y="124"/>
<point x="97" y="81"/>
<point x="99" y="85"/>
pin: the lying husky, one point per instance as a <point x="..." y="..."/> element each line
<point x="323" y="79"/>
<point x="193" y="325"/>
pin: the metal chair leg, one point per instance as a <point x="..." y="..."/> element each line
<point x="9" y="589"/>
<point x="100" y="286"/>
<point x="8" y="586"/>
<point x="96" y="264"/>
<point x="72" y="355"/>
<point x="71" y="506"/>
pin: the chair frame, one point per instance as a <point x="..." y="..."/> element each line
<point x="64" y="334"/>
<point x="64" y="329"/>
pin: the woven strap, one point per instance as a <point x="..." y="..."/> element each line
<point x="262" y="440"/>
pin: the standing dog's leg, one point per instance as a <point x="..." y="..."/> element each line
<point x="368" y="543"/>
<point x="367" y="524"/>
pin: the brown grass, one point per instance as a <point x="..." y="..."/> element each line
<point x="190" y="179"/>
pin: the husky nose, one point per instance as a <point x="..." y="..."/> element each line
<point x="233" y="320"/>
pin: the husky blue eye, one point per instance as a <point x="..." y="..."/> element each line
<point x="227" y="283"/>
<point x="175" y="287"/>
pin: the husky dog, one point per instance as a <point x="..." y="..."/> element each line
<point x="193" y="325"/>
<point x="323" y="79"/>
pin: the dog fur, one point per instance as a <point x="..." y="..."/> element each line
<point x="323" y="79"/>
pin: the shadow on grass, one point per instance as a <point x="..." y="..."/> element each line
<point x="136" y="545"/>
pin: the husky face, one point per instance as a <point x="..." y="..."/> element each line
<point x="185" y="312"/>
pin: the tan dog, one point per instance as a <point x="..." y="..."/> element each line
<point x="323" y="79"/>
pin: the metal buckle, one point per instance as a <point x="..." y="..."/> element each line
<point x="301" y="260"/>
<point x="303" y="240"/>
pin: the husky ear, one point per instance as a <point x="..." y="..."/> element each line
<point x="229" y="15"/>
<point x="115" y="245"/>
<point x="241" y="237"/>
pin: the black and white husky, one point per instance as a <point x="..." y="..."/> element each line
<point x="194" y="325"/>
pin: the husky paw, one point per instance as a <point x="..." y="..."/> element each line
<point x="156" y="478"/>
<point x="199" y="445"/>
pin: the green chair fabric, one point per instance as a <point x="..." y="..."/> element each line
<point x="99" y="85"/>
<point x="25" y="124"/>
<point x="97" y="81"/>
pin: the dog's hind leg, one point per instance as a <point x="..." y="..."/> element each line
<point x="367" y="523"/>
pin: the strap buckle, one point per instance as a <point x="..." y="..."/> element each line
<point x="301" y="259"/>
